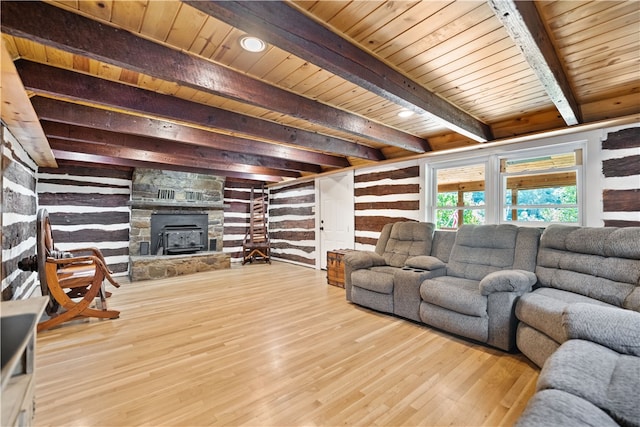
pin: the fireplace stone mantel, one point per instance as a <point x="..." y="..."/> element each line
<point x="150" y="204"/>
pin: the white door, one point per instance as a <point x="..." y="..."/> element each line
<point x="336" y="216"/>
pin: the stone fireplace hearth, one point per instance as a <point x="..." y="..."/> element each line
<point x="164" y="194"/>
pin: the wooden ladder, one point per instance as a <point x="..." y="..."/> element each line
<point x="256" y="243"/>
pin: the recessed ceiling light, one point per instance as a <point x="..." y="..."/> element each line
<point x="405" y="113"/>
<point x="252" y="44"/>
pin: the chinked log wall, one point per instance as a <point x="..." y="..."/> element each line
<point x="292" y="223"/>
<point x="383" y="196"/>
<point x="621" y="169"/>
<point x="19" y="204"/>
<point x="392" y="193"/>
<point x="237" y="196"/>
<point x="88" y="206"/>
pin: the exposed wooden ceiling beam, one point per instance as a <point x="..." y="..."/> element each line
<point x="17" y="113"/>
<point x="67" y="132"/>
<point x="81" y="115"/>
<point x="523" y="23"/>
<point x="51" y="26"/>
<point x="106" y="160"/>
<point x="45" y="79"/>
<point x="162" y="157"/>
<point x="283" y="26"/>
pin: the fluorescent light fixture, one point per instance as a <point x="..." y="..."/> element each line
<point x="405" y="113"/>
<point x="252" y="44"/>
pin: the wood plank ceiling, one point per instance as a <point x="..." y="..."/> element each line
<point x="166" y="83"/>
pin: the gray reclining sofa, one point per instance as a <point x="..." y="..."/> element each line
<point x="388" y="279"/>
<point x="580" y="323"/>
<point x="464" y="282"/>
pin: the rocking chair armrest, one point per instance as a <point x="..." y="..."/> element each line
<point x="95" y="251"/>
<point x="73" y="260"/>
<point x="88" y="249"/>
<point x="86" y="259"/>
<point x="105" y="270"/>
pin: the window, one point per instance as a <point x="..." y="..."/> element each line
<point x="460" y="197"/>
<point x="541" y="189"/>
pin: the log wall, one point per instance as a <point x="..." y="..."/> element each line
<point x="384" y="195"/>
<point x="393" y="192"/>
<point x="89" y="206"/>
<point x="292" y="223"/>
<point x="621" y="170"/>
<point x="19" y="208"/>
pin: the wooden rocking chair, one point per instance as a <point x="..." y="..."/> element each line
<point x="81" y="272"/>
<point x="256" y="243"/>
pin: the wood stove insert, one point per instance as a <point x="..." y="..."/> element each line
<point x="173" y="234"/>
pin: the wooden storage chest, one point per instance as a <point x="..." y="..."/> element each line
<point x="335" y="267"/>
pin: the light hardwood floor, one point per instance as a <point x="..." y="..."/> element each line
<point x="267" y="345"/>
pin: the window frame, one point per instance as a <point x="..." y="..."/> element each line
<point x="433" y="196"/>
<point x="494" y="185"/>
<point x="502" y="206"/>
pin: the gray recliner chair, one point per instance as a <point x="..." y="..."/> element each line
<point x="489" y="268"/>
<point x="388" y="280"/>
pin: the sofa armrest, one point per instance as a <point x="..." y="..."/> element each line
<point x="425" y="262"/>
<point x="358" y="260"/>
<point x="507" y="281"/>
<point x="615" y="328"/>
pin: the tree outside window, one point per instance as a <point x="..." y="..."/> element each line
<point x="460" y="197"/>
<point x="542" y="189"/>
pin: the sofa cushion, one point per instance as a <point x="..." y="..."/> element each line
<point x="553" y="408"/>
<point x="455" y="293"/>
<point x="373" y="300"/>
<point x="383" y="238"/>
<point x="442" y="243"/>
<point x="542" y="309"/>
<point x="507" y="281"/>
<point x="605" y="241"/>
<point x="536" y="345"/>
<point x="384" y="269"/>
<point x="363" y="259"/>
<point x="408" y="239"/>
<point x="526" y="248"/>
<point x="424" y="262"/>
<point x="474" y="327"/>
<point x="373" y="280"/>
<point x="613" y="386"/>
<point x="632" y="301"/>
<point x="602" y="263"/>
<point x="614" y="328"/>
<point x="482" y="249"/>
<point x="609" y="291"/>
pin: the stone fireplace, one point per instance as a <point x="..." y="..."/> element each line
<point x="177" y="222"/>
